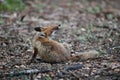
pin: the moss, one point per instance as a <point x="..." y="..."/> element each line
<point x="11" y="5"/>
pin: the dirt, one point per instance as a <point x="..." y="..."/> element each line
<point x="85" y="25"/>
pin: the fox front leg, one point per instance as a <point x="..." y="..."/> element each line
<point x="33" y="56"/>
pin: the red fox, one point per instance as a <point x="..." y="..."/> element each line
<point x="52" y="51"/>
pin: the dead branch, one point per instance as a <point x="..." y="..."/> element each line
<point x="24" y="72"/>
<point x="36" y="71"/>
<point x="108" y="27"/>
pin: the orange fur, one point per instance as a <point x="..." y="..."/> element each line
<point x="53" y="51"/>
<point x="47" y="30"/>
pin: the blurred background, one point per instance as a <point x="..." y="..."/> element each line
<point x="85" y="25"/>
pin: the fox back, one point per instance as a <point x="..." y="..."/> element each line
<point x="51" y="51"/>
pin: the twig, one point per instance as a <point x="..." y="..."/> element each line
<point x="76" y="76"/>
<point x="24" y="72"/>
<point x="118" y="66"/>
<point x="111" y="74"/>
<point x="7" y="16"/>
<point x="74" y="67"/>
<point x="35" y="71"/>
<point x="108" y="27"/>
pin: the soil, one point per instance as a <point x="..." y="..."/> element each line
<point x="85" y="25"/>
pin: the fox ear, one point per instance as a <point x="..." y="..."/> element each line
<point x="37" y="29"/>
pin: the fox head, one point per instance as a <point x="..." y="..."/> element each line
<point x="47" y="30"/>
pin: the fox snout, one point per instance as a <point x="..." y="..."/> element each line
<point x="58" y="27"/>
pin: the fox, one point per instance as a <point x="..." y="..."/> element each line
<point x="52" y="51"/>
<point x="47" y="30"/>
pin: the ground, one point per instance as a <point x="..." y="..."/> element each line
<point x="85" y="25"/>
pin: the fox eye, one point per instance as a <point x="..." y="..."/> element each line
<point x="42" y="34"/>
<point x="37" y="29"/>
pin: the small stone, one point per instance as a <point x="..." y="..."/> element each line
<point x="17" y="66"/>
<point x="22" y="66"/>
<point x="39" y="76"/>
<point x="83" y="29"/>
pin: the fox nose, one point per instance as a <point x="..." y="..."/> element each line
<point x="58" y="26"/>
